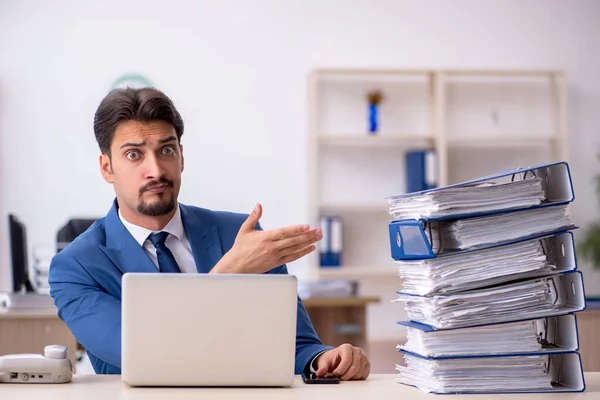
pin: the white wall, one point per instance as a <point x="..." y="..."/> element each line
<point x="236" y="70"/>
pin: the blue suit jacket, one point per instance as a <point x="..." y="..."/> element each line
<point x="85" y="281"/>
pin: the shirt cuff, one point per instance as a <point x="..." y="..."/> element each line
<point x="312" y="362"/>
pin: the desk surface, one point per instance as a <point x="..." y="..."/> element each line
<point x="339" y="301"/>
<point x="29" y="313"/>
<point x="92" y="387"/>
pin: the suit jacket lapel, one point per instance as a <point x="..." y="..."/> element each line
<point x="121" y="247"/>
<point x="204" y="240"/>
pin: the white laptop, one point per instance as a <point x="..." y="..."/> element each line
<point x="208" y="330"/>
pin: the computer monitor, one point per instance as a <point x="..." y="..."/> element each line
<point x="18" y="249"/>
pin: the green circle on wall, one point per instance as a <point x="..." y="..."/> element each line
<point x="132" y="80"/>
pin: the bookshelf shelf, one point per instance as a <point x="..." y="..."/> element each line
<point x="378" y="141"/>
<point x="502" y="142"/>
<point x="360" y="271"/>
<point x="355" y="208"/>
<point x="503" y="72"/>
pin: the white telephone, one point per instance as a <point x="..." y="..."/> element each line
<point x="52" y="367"/>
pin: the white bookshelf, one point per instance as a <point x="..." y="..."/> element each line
<point x="478" y="121"/>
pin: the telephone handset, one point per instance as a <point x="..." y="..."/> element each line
<point x="52" y="367"/>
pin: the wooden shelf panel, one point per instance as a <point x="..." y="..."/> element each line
<point x="370" y="73"/>
<point x="358" y="271"/>
<point x="375" y="141"/>
<point x="507" y="142"/>
<point x="40" y="313"/>
<point x="339" y="301"/>
<point x="362" y="72"/>
<point x="502" y="72"/>
<point x="355" y="208"/>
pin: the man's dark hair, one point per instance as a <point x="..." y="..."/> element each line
<point x="133" y="104"/>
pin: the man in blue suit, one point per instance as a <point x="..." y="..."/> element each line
<point x="147" y="230"/>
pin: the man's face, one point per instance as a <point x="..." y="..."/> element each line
<point x="145" y="167"/>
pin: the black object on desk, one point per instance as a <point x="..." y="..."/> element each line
<point x="314" y="379"/>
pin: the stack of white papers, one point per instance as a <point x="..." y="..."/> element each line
<point x="471" y="233"/>
<point x="491" y="374"/>
<point x="475" y="269"/>
<point x="326" y="288"/>
<point x="507" y="338"/>
<point x="483" y="197"/>
<point x="484" y="306"/>
<point x="489" y="282"/>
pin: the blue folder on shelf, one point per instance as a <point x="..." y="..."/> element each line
<point x="331" y="246"/>
<point x="411" y="238"/>
<point x="421" y="170"/>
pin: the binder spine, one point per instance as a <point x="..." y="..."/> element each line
<point x="336" y="241"/>
<point x="331" y="245"/>
<point x="560" y="251"/>
<point x="408" y="241"/>
<point x="431" y="170"/>
<point x="421" y="172"/>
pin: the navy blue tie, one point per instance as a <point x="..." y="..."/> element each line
<point x="166" y="261"/>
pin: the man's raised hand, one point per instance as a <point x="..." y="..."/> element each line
<point x="255" y="251"/>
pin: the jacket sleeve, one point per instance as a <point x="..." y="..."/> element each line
<point x="308" y="344"/>
<point x="92" y="315"/>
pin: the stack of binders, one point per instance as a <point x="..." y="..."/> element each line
<point x="490" y="284"/>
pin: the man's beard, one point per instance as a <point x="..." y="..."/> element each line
<point x="164" y="205"/>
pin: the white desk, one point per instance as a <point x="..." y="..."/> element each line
<point x="380" y="387"/>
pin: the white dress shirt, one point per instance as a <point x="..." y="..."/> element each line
<point x="177" y="242"/>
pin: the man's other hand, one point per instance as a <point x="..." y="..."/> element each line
<point x="256" y="252"/>
<point x="347" y="362"/>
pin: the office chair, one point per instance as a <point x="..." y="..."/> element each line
<point x="73" y="228"/>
